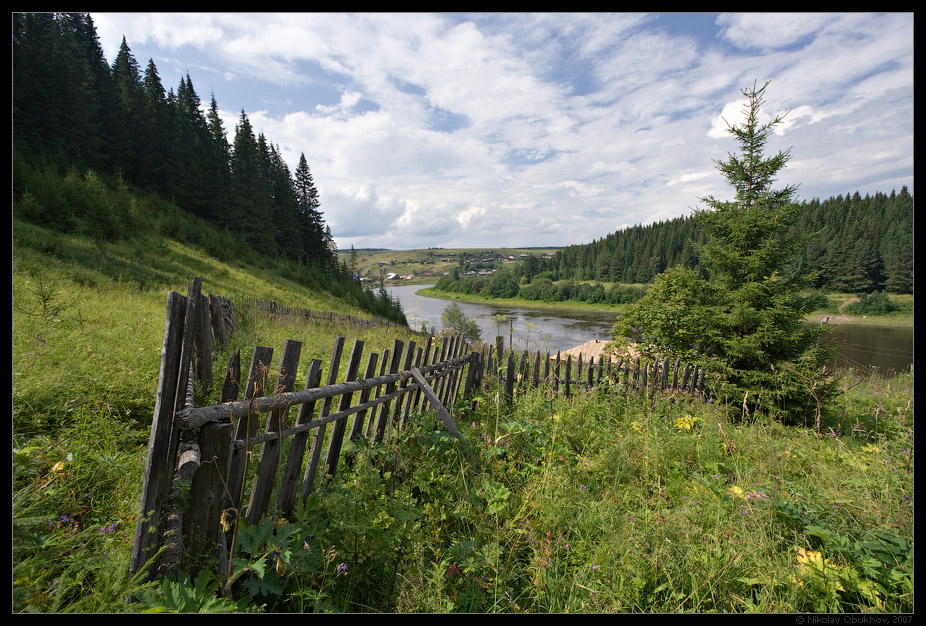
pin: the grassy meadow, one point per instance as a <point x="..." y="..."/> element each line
<point x="607" y="501"/>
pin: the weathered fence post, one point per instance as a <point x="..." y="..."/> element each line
<point x="340" y="426"/>
<point x="207" y="490"/>
<point x="271" y="450"/>
<point x="246" y="429"/>
<point x="383" y="421"/>
<point x="568" y="374"/>
<point x="158" y="469"/>
<point x="308" y="481"/>
<point x="509" y="380"/>
<point x="357" y="427"/>
<point x="287" y="495"/>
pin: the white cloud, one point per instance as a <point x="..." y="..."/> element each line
<point x="541" y="129"/>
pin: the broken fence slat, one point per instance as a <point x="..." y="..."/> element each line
<point x="444" y="415"/>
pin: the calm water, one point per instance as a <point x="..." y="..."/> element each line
<point x="546" y="330"/>
<point x="560" y="329"/>
<point x="886" y="348"/>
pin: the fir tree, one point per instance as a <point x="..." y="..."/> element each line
<point x="747" y="316"/>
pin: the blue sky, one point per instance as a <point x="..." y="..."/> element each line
<point x="540" y="129"/>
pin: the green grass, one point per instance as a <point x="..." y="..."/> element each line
<point x="607" y="501"/>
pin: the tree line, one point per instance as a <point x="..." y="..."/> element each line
<point x="857" y="244"/>
<point x="74" y="112"/>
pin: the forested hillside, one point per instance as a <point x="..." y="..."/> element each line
<point x="107" y="152"/>
<point x="858" y="244"/>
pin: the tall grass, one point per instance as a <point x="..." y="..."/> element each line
<point x="611" y="500"/>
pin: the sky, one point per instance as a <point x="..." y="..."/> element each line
<point x="541" y="129"/>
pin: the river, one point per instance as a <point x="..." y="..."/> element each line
<point x="552" y="330"/>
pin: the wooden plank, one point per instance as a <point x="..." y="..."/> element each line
<point x="232" y="383"/>
<point x="445" y="352"/>
<point x="204" y="345"/>
<point x="398" y="419"/>
<point x="383" y="421"/>
<point x="207" y="490"/>
<point x="402" y="406"/>
<point x="425" y="360"/>
<point x="471" y="371"/>
<point x="524" y="369"/>
<point x="446" y="380"/>
<point x="246" y="427"/>
<point x="287" y="494"/>
<point x="218" y="321"/>
<point x="569" y="373"/>
<point x="509" y="380"/>
<point x="371" y="425"/>
<point x="158" y="471"/>
<point x="357" y="427"/>
<point x="272" y="450"/>
<point x="340" y="426"/>
<point x="435" y="403"/>
<point x="308" y="480"/>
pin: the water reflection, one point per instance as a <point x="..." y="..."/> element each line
<point x="535" y="329"/>
<point x="888" y="349"/>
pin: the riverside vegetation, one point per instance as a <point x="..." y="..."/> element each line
<point x="607" y="501"/>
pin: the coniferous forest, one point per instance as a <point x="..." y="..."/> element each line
<point x="854" y="244"/>
<point x="80" y="123"/>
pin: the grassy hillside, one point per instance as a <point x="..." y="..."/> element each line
<point x="370" y="263"/>
<point x="607" y="501"/>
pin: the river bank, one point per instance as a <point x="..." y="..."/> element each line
<point x="834" y="313"/>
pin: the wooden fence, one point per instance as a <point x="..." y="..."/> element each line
<point x="202" y="454"/>
<point x="272" y="308"/>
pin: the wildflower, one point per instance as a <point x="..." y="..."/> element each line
<point x="341" y="568"/>
<point x="581" y="486"/>
<point x="305" y="544"/>
<point x="65" y="518"/>
<point x="108" y="529"/>
<point x="594" y="568"/>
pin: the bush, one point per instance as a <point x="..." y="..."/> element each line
<point x="877" y="303"/>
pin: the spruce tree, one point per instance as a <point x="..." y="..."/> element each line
<point x="747" y="316"/>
